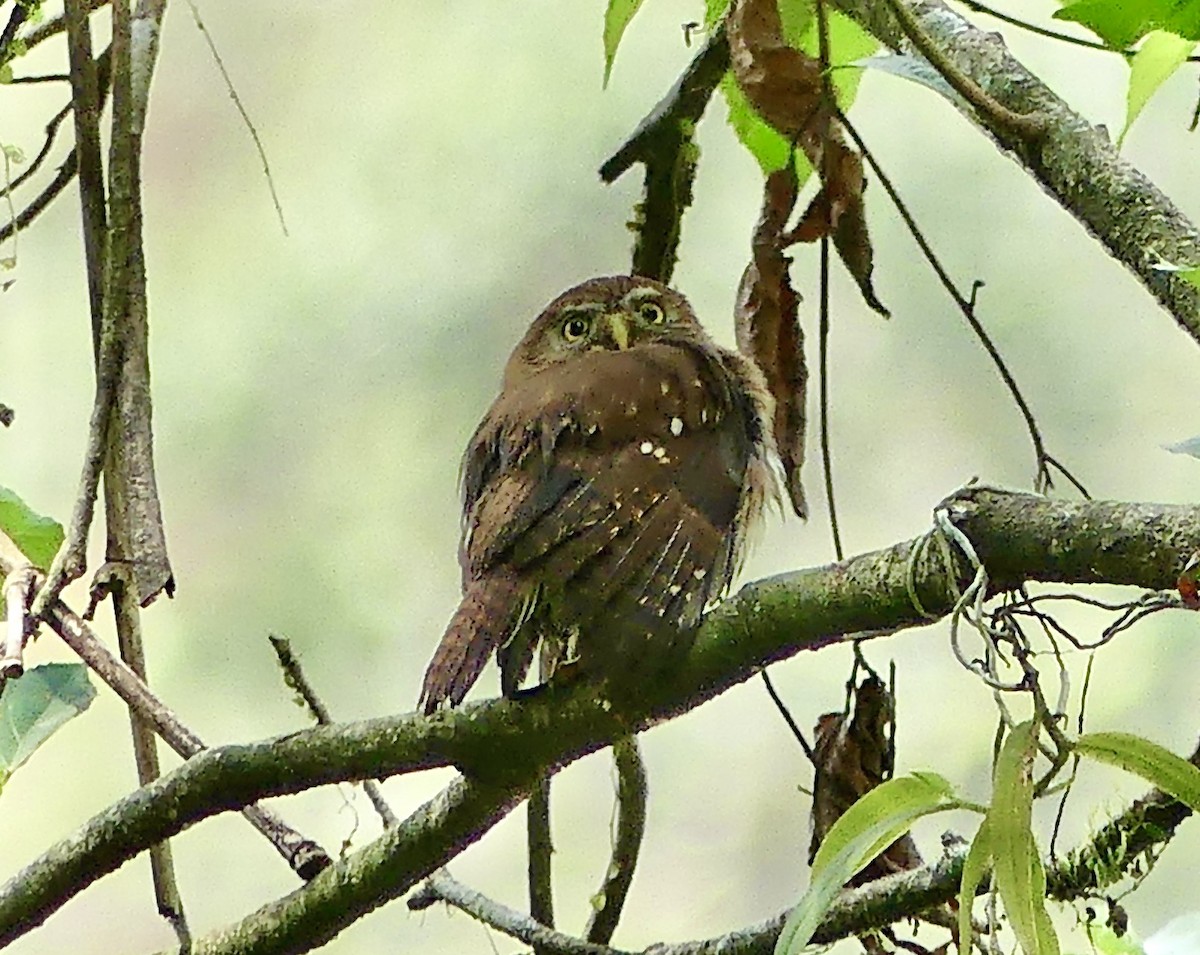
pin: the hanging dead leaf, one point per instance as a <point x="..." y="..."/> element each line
<point x="850" y="762"/>
<point x="782" y="83"/>
<point x="785" y="86"/>
<point x="838" y="211"/>
<point x="767" y="322"/>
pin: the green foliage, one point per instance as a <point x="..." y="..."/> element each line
<point x="1106" y="942"/>
<point x="1159" y="56"/>
<point x="975" y="867"/>
<point x="871" y="825"/>
<point x="1121" y="23"/>
<point x="1160" y="767"/>
<point x="616" y="19"/>
<point x="713" y="11"/>
<point x="848" y="44"/>
<point x="37" y="537"/>
<point x="1020" y="877"/>
<point x="1169" y="31"/>
<point x="35" y="705"/>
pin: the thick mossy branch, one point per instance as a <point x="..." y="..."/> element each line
<point x="1074" y="161"/>
<point x="505" y="746"/>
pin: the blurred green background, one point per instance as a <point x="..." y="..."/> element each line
<point x="437" y="168"/>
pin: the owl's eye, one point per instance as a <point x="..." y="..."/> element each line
<point x="651" y="313"/>
<point x="575" y="328"/>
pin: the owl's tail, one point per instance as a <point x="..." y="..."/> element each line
<point x="483" y="621"/>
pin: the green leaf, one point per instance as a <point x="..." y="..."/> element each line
<point x="797" y="17"/>
<point x="37" y="537"/>
<point x="867" y="828"/>
<point x="1156" y="60"/>
<point x="1106" y="942"/>
<point x="975" y="867"/>
<point x="1020" y="878"/>
<point x="1121" y="23"/>
<point x="1160" y="767"/>
<point x="35" y="705"/>
<point x="714" y="10"/>
<point x="756" y="134"/>
<point x="616" y="19"/>
<point x="848" y="44"/>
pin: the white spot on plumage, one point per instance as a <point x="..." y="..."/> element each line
<point x="674" y="590"/>
<point x="677" y="426"/>
<point x="647" y="447"/>
<point x="666" y="388"/>
<point x="699" y="573"/>
<point x="660" y="453"/>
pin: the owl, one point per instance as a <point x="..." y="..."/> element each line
<point x="607" y="493"/>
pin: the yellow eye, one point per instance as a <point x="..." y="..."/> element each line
<point x="575" y="328"/>
<point x="651" y="313"/>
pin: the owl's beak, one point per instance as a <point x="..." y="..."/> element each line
<point x="618" y="326"/>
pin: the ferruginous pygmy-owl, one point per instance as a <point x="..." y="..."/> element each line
<point x="607" y="492"/>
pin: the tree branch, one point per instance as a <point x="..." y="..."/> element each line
<point x="505" y="746"/>
<point x="1074" y="162"/>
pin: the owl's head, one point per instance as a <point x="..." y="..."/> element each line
<point x="613" y="313"/>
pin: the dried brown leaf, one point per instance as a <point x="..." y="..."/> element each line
<point x="850" y="762"/>
<point x="838" y="211"/>
<point x="785" y="86"/>
<point x="768" y="328"/>
<point x="782" y="83"/>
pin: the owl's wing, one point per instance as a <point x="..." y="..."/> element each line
<point x="624" y="490"/>
<point x="628" y="490"/>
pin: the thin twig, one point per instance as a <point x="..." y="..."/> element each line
<point x="294" y="677"/>
<point x="41" y="78"/>
<point x="443" y="887"/>
<point x="539" y="841"/>
<point x="539" y="848"/>
<point x="1013" y="128"/>
<point x="1051" y="34"/>
<point x="127" y="615"/>
<point x="627" y="843"/>
<point x="38" y="205"/>
<point x="53" y="27"/>
<point x="69" y="562"/>
<point x="787" y="716"/>
<point x="828" y="109"/>
<point x="86" y="105"/>
<point x="18" y="591"/>
<point x="966" y="306"/>
<point x="237" y="102"/>
<point x="19" y="12"/>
